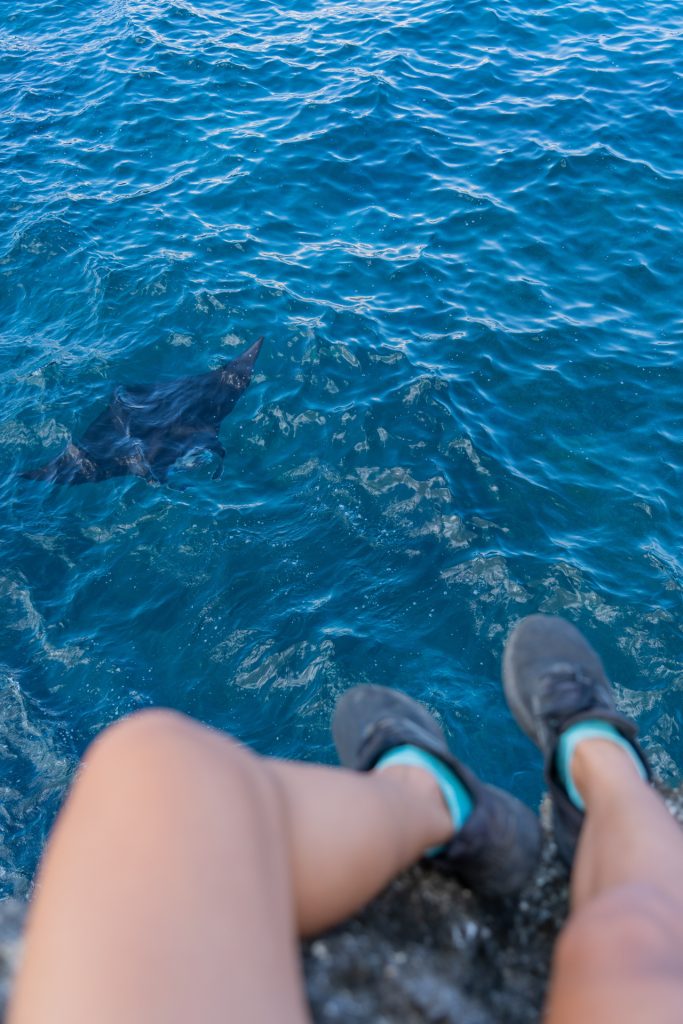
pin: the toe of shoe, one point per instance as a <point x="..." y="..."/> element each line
<point x="537" y="646"/>
<point x="370" y="719"/>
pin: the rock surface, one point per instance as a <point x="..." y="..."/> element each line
<point x="425" y="952"/>
<point x="12" y="915"/>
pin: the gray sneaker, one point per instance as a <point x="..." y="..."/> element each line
<point x="497" y="848"/>
<point x="552" y="679"/>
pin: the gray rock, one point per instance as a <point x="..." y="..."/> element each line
<point x="12" y="916"/>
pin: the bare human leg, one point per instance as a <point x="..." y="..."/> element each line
<point x="183" y="867"/>
<point x="620" y="957"/>
<point x="349" y="833"/>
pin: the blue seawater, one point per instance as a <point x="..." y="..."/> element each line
<point x="460" y="228"/>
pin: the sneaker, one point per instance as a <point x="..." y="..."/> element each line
<point x="496" y="849"/>
<point x="552" y="679"/>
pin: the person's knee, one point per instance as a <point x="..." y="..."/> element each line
<point x="627" y="928"/>
<point x="156" y="752"/>
<point x="144" y="734"/>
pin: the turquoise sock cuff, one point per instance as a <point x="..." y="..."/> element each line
<point x="456" y="795"/>
<point x="591" y="729"/>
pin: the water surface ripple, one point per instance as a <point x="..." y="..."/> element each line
<point x="459" y="228"/>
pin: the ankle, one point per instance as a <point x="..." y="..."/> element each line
<point x="416" y="782"/>
<point x="598" y="765"/>
<point x="421" y="790"/>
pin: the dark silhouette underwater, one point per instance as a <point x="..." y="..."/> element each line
<point x="145" y="429"/>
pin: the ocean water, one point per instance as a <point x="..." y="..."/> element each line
<point x="460" y="229"/>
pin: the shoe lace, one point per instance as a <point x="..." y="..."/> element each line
<point x="566" y="690"/>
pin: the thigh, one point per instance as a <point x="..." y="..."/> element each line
<point x="620" y="958"/>
<point x="164" y="895"/>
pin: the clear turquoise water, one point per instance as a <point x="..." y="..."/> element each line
<point x="459" y="228"/>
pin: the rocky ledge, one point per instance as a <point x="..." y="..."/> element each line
<point x="425" y="952"/>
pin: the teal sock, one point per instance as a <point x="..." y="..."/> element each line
<point x="593" y="728"/>
<point x="455" y="793"/>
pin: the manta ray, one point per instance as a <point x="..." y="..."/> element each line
<point x="146" y="428"/>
